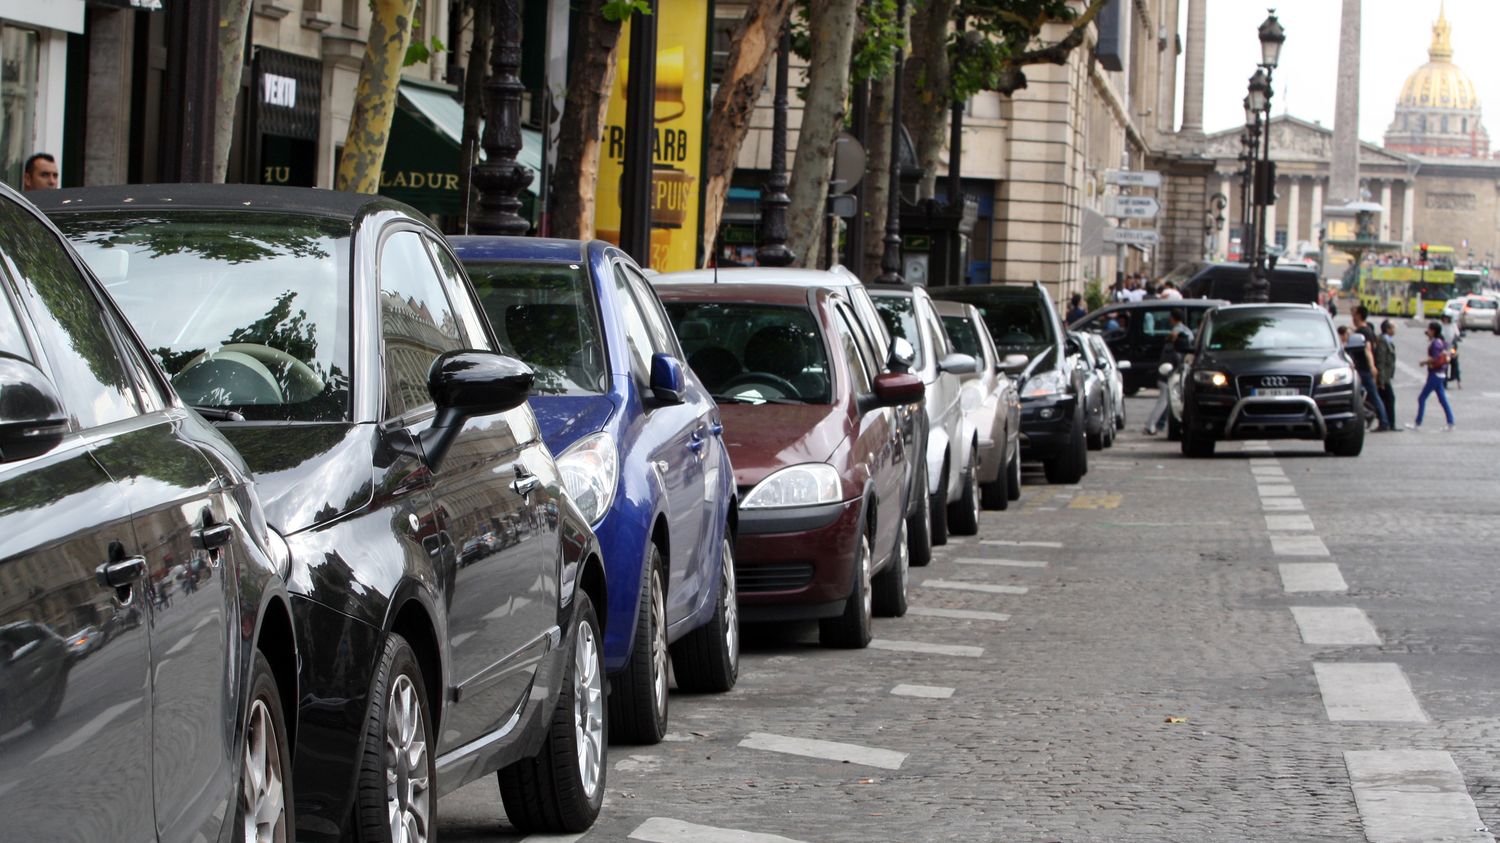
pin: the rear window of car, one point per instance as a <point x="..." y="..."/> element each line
<point x="900" y="317"/>
<point x="544" y="312"/>
<point x="1481" y="304"/>
<point x="1263" y="330"/>
<point x="748" y="353"/>
<point x="961" y="331"/>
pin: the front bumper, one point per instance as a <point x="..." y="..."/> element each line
<point x="1228" y="416"/>
<point x="797" y="562"/>
<point x="1047" y="426"/>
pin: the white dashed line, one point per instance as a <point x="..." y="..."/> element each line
<point x="985" y="587"/>
<point x="1298" y="546"/>
<point x="1288" y="522"/>
<point x="930" y="692"/>
<point x="1004" y="563"/>
<point x="1282" y="504"/>
<point x="1337" y="626"/>
<point x="927" y="647"/>
<point x="957" y="614"/>
<point x="830" y="750"/>
<point x="664" y="830"/>
<point x="552" y="838"/>
<point x="1010" y="543"/>
<point x="1277" y="491"/>
<point x="1411" y="794"/>
<point x="1312" y="576"/>
<point x="1255" y="461"/>
<point x="1367" y="691"/>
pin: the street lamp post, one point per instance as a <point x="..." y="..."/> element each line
<point x="1272" y="36"/>
<point x="890" y="259"/>
<point x="773" y="250"/>
<point x="500" y="179"/>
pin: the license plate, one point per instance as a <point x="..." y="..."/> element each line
<point x="1284" y="390"/>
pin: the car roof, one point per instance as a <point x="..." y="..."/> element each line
<point x="227" y="197"/>
<point x="837" y="276"/>
<point x="1271" y="305"/>
<point x="1169" y="303"/>
<point x="981" y="291"/>
<point x="783" y="294"/>
<point x="951" y="308"/>
<point x="538" y="249"/>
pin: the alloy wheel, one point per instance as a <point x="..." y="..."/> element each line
<point x="408" y="791"/>
<point x="658" y="647"/>
<point x="866" y="587"/>
<point x="974" y="486"/>
<point x="261" y="794"/>
<point x="731" y="605"/>
<point x="588" y="710"/>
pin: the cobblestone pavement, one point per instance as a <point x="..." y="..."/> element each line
<point x="1151" y="684"/>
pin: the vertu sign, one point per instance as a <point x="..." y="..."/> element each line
<point x="278" y="90"/>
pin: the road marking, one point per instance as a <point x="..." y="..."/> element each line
<point x="552" y="838"/>
<point x="1288" y="522"/>
<point x="664" y="830"/>
<point x="1096" y="500"/>
<point x="1298" y="546"/>
<point x="1005" y="563"/>
<point x="1412" y="794"/>
<point x="976" y="586"/>
<point x="1266" y="471"/>
<point x="931" y="692"/>
<point x="831" y="750"/>
<point x="1011" y="543"/>
<point x="1284" y="504"/>
<point x="1367" y="691"/>
<point x="1255" y="461"/>
<point x="927" y="647"/>
<point x="1311" y="576"/>
<point x="1490" y="394"/>
<point x="1276" y="491"/>
<point x="1338" y="626"/>
<point x="957" y="614"/>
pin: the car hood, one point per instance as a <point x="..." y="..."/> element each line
<point x="762" y="438"/>
<point x="1280" y="362"/>
<point x="307" y="473"/>
<point x="564" y="419"/>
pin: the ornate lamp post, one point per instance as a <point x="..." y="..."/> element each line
<point x="773" y="250"/>
<point x="1249" y="143"/>
<point x="500" y="179"/>
<point x="1272" y="36"/>
<point x="890" y="259"/>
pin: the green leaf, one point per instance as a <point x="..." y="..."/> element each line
<point x="619" y="11"/>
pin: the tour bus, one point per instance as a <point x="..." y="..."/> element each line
<point x="1396" y="289"/>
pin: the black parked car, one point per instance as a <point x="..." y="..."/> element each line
<point x="119" y="503"/>
<point x="1269" y="371"/>
<point x="1022" y="320"/>
<point x="336" y="341"/>
<point x="1291" y="283"/>
<point x="1135" y="331"/>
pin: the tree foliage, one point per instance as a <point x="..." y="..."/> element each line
<point x="1008" y="31"/>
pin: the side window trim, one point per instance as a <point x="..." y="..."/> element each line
<point x="461" y="293"/>
<point x="426" y="408"/>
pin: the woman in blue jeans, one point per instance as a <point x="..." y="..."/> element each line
<point x="1437" y="365"/>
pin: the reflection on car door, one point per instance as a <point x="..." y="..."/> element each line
<point x="878" y="441"/>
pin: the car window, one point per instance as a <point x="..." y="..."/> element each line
<point x="961" y="332"/>
<point x="750" y="353"/>
<point x="869" y="319"/>
<point x="934" y="328"/>
<point x="244" y="310"/>
<point x="638" y="339"/>
<point x="901" y="321"/>
<point x="1019" y="324"/>
<point x="1155" y="323"/>
<point x="663" y="341"/>
<point x="12" y="340"/>
<point x="73" y="324"/>
<point x="1255" y="330"/>
<point x="458" y="292"/>
<point x="854" y="356"/>
<point x="416" y="321"/>
<point x="544" y="314"/>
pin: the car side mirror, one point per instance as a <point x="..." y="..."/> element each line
<point x="1014" y="364"/>
<point x="902" y="355"/>
<point x="895" y="389"/>
<point x="957" y="363"/>
<point x="464" y="384"/>
<point x="1122" y="365"/>
<point x="667" y="381"/>
<point x="32" y="420"/>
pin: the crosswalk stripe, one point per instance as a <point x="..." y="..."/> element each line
<point x="829" y="750"/>
<point x="665" y="830"/>
<point x="1367" y="692"/>
<point x="1003" y="563"/>
<point x="1335" y="626"/>
<point x="956" y="614"/>
<point x="987" y="588"/>
<point x="1412" y="794"/>
<point x="1311" y="576"/>
<point x="1298" y="546"/>
<point x="927" y="647"/>
<point x="931" y="692"/>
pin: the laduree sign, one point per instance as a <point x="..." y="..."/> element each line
<point x="681" y="67"/>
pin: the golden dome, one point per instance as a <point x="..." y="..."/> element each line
<point x="1439" y="83"/>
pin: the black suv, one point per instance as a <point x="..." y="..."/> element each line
<point x="1270" y="371"/>
<point x="1023" y="321"/>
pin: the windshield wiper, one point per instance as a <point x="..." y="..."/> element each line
<point x="217" y="413"/>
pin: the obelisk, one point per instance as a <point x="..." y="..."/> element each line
<point x="1343" y="181"/>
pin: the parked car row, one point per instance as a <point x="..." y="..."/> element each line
<point x="381" y="513"/>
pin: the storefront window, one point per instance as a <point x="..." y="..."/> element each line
<point x="19" y="50"/>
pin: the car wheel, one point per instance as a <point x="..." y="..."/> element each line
<point x="264" y="811"/>
<point x="919" y="525"/>
<point x="1347" y="445"/>
<point x="1095" y="438"/>
<point x="1174" y="428"/>
<point x="1196" y="443"/>
<point x="851" y="630"/>
<point x="638" y="693"/>
<point x="1073" y="462"/>
<point x="963" y="514"/>
<point x="561" y="788"/>
<point x="889" y="588"/>
<point x="996" y="493"/>
<point x="1109" y="436"/>
<point x="1014" y="490"/>
<point x="397" y="800"/>
<point x="707" y="660"/>
<point x="938" y="510"/>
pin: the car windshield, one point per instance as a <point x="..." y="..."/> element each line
<point x="246" y="311"/>
<point x="961" y="332"/>
<point x="1482" y="304"/>
<point x="1258" y="330"/>
<point x="1018" y="325"/>
<point x="900" y="318"/>
<point x="754" y="353"/>
<point x="545" y="313"/>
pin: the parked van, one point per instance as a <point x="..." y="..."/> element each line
<point x="1290" y="283"/>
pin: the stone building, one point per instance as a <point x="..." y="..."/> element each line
<point x="1438" y="113"/>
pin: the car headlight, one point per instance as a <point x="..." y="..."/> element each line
<point x="590" y="469"/>
<point x="1342" y="376"/>
<point x="1044" y="385"/>
<point x="808" y="484"/>
<point x="1217" y="380"/>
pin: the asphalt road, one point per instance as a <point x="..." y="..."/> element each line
<point x="1272" y="645"/>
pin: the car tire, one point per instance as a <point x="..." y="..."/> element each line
<point x="851" y="630"/>
<point x="1013" y="490"/>
<point x="638" y="693"/>
<point x="1069" y="466"/>
<point x="919" y="525"/>
<point x="561" y="788"/>
<point x="996" y="493"/>
<point x="889" y="598"/>
<point x="1196" y="443"/>
<point x="707" y="660"/>
<point x="1174" y="428"/>
<point x="401" y="716"/>
<point x="1109" y="436"/>
<point x="1095" y="439"/>
<point x="938" y="510"/>
<point x="963" y="514"/>
<point x="1348" y="445"/>
<point x="265" y="803"/>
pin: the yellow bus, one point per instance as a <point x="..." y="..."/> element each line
<point x="1395" y="290"/>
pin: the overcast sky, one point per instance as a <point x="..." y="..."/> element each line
<point x="1394" y="36"/>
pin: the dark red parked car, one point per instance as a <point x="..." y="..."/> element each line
<point x="818" y="458"/>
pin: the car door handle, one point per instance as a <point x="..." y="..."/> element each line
<point x="525" y="482"/>
<point x="123" y="573"/>
<point x="213" y="536"/>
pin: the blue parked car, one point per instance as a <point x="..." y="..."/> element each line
<point x="637" y="440"/>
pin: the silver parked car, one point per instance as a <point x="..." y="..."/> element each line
<point x="1480" y="312"/>
<point x="990" y="402"/>
<point x="1114" y="374"/>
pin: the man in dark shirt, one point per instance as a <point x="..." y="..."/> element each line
<point x="1361" y="348"/>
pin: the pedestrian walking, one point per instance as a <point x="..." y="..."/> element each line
<point x="1436" y="363"/>
<point x="1385" y="368"/>
<point x="1361" y="349"/>
<point x="1179" y="341"/>
<point x="1075" y="308"/>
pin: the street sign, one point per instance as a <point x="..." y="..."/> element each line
<point x="1133" y="178"/>
<point x="1132" y="236"/>
<point x="1131" y="207"/>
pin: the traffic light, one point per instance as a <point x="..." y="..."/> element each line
<point x="1424" y="253"/>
